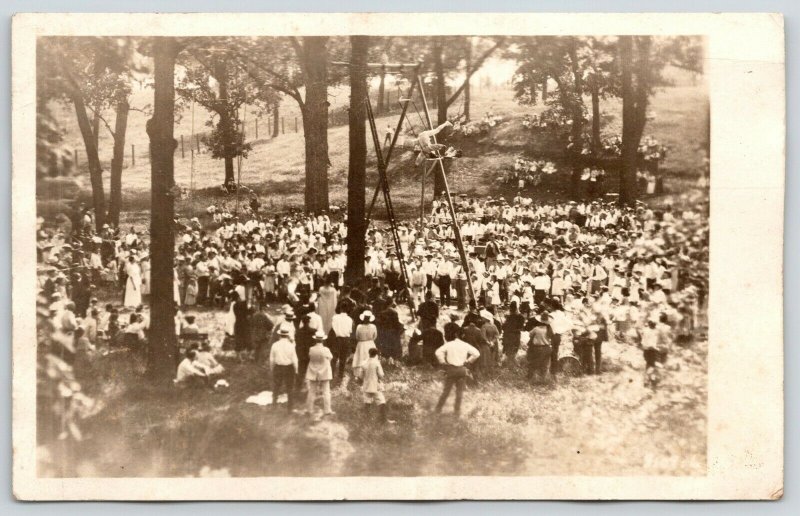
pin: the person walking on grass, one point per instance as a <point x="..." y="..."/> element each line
<point x="455" y="355"/>
<point x="319" y="375"/>
<point x="373" y="386"/>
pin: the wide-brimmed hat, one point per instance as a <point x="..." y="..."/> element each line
<point x="367" y="316"/>
<point x="320" y="335"/>
<point x="486" y="314"/>
<point x="284" y="329"/>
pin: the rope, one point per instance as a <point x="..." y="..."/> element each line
<point x="408" y="123"/>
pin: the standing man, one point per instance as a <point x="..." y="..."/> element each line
<point x="284" y="364"/>
<point x="260" y="330"/>
<point x="512" y="332"/>
<point x="418" y="281"/>
<point x="241" y="326"/>
<point x="539" y="350"/>
<point x="443" y="272"/>
<point x="373" y="385"/>
<point x="455" y="355"/>
<point x="559" y="325"/>
<point x="339" y="339"/>
<point x="428" y="312"/>
<point x="319" y="375"/>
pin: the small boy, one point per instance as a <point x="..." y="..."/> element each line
<point x="373" y="387"/>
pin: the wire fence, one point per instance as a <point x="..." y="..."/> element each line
<point x="259" y="128"/>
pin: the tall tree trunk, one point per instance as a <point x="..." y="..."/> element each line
<point x="382" y="107"/>
<point x="315" y="122"/>
<point x="441" y="85"/>
<point x="466" y="84"/>
<point x="577" y="119"/>
<point x="225" y="124"/>
<point x="356" y="171"/>
<point x="276" y="123"/>
<point x="120" y="128"/>
<point x="441" y="103"/>
<point x="96" y="127"/>
<point x="595" y="118"/>
<point x="92" y="159"/>
<point x="161" y="359"/>
<point x="627" y="183"/>
<point x="636" y="84"/>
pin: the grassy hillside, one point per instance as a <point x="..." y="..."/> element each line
<point x="275" y="167"/>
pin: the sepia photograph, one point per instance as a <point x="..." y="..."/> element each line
<point x="371" y="255"/>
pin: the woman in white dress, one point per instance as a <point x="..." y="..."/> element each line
<point x="366" y="333"/>
<point x="326" y="304"/>
<point x="133" y="285"/>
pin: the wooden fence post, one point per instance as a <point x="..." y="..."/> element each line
<point x="133" y="155"/>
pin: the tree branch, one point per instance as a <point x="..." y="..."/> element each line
<point x="139" y="110"/>
<point x="289" y="90"/>
<point x="102" y="119"/>
<point x="208" y="66"/>
<point x="475" y="67"/>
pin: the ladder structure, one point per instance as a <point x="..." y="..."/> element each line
<point x="383" y="183"/>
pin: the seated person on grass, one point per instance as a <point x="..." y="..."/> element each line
<point x="205" y="360"/>
<point x="190" y="373"/>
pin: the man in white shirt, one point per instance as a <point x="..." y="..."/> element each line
<point x="339" y="340"/>
<point x="559" y="324"/>
<point x="189" y="373"/>
<point x="541" y="286"/>
<point x="443" y="280"/>
<point x="284" y="364"/>
<point x="429" y="268"/>
<point x="455" y="355"/>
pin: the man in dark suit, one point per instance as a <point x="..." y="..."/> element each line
<point x="428" y="312"/>
<point x="260" y="330"/>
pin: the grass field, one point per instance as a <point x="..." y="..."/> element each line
<point x="595" y="425"/>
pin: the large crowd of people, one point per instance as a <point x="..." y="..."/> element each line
<point x="545" y="286"/>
